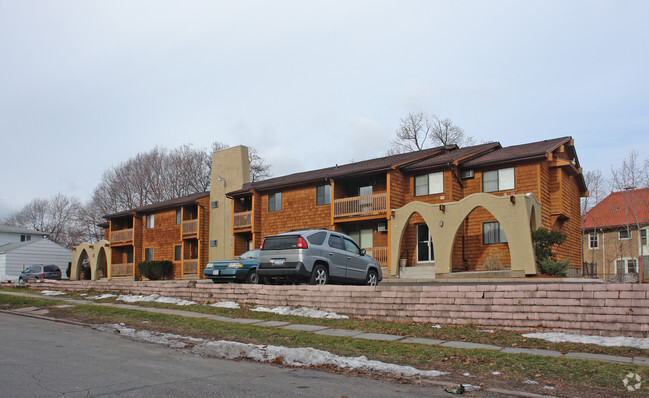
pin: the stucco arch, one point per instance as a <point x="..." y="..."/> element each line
<point x="98" y="255"/>
<point x="517" y="215"/>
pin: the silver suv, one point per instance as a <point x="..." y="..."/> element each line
<point x="317" y="256"/>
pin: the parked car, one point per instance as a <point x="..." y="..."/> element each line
<point x="39" y="272"/>
<point x="241" y="269"/>
<point x="317" y="257"/>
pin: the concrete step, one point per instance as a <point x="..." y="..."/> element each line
<point x="483" y="274"/>
<point x="418" y="272"/>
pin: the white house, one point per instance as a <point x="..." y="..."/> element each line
<point x="20" y="248"/>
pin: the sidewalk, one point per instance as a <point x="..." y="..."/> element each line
<point x="33" y="311"/>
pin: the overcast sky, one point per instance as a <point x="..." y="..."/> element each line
<point x="85" y="85"/>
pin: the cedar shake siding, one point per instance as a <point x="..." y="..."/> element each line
<point x="179" y="234"/>
<point x="548" y="169"/>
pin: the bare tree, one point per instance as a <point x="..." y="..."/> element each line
<point x="55" y="216"/>
<point x="419" y="131"/>
<point x="597" y="188"/>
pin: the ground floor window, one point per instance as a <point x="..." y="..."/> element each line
<point x="492" y="233"/>
<point x="364" y="237"/>
<point x="148" y="254"/>
<point x="626" y="266"/>
<point x="178" y="253"/>
<point x="425" y="252"/>
<point x="593" y="242"/>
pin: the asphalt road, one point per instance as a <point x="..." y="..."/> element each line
<point x="40" y="358"/>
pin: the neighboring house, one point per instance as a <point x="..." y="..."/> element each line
<point x="15" y="257"/>
<point x="11" y="234"/>
<point x="360" y="199"/>
<point x="174" y="230"/>
<point x="616" y="233"/>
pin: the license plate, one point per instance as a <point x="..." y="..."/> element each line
<point x="215" y="272"/>
<point x="278" y="261"/>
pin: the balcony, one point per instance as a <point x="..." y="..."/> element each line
<point x="361" y="205"/>
<point x="190" y="266"/>
<point x="121" y="236"/>
<point x="243" y="219"/>
<point x="190" y="227"/>
<point x="380" y="254"/>
<point x="117" y="270"/>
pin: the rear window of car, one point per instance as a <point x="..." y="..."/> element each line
<point x="318" y="238"/>
<point x="280" y="243"/>
<point x="51" y="268"/>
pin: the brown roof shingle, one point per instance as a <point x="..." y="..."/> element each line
<point x="517" y="152"/>
<point x="185" y="200"/>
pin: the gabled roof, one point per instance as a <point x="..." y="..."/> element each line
<point x="347" y="170"/>
<point x="6" y="248"/>
<point x="19" y="230"/>
<point x="515" y="153"/>
<point x="185" y="200"/>
<point x="618" y="209"/>
<point x="457" y="157"/>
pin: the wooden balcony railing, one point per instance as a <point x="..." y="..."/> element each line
<point x="361" y="205"/>
<point x="190" y="227"/>
<point x="243" y="219"/>
<point x="121" y="269"/>
<point x="380" y="254"/>
<point x="123" y="235"/>
<point x="190" y="266"/>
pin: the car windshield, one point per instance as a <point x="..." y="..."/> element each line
<point x="249" y="255"/>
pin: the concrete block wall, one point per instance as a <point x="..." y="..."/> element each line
<point x="593" y="309"/>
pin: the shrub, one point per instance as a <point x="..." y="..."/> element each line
<point x="86" y="271"/>
<point x="544" y="241"/>
<point x="548" y="266"/>
<point x="492" y="263"/>
<point x="67" y="271"/>
<point x="155" y="270"/>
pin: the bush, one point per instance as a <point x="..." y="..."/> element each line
<point x="156" y="270"/>
<point x="547" y="266"/>
<point x="86" y="271"/>
<point x="67" y="271"/>
<point x="544" y="241"/>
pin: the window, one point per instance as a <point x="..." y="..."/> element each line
<point x="593" y="241"/>
<point x="364" y="238"/>
<point x="318" y="238"/>
<point x="350" y="246"/>
<point x="492" y="233"/>
<point x="626" y="266"/>
<point x="624" y="234"/>
<point x="643" y="237"/>
<point x="275" y="201"/>
<point x="323" y="195"/>
<point x="25" y="238"/>
<point x="178" y="253"/>
<point x="129" y="257"/>
<point x="150" y="221"/>
<point x="498" y="180"/>
<point x="425" y="250"/>
<point x="178" y="217"/>
<point x="148" y="254"/>
<point x="336" y="242"/>
<point x="429" y="184"/>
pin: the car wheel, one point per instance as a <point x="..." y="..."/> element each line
<point x="372" y="278"/>
<point x="214" y="280"/>
<point x="21" y="281"/>
<point x="319" y="275"/>
<point x="252" y="278"/>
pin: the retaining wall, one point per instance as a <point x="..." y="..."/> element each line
<point x="595" y="309"/>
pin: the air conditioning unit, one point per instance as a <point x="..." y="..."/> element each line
<point x="467" y="173"/>
<point x="383" y="227"/>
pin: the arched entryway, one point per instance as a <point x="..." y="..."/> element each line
<point x="93" y="258"/>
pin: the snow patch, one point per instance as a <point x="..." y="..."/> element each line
<point x="103" y="296"/>
<point x="226" y="304"/>
<point x="620" y="341"/>
<point x="300" y="357"/>
<point x="302" y="311"/>
<point x="51" y="292"/>
<point x="129" y="298"/>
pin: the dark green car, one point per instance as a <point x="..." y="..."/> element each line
<point x="241" y="269"/>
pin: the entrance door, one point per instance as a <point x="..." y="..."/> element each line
<point x="425" y="252"/>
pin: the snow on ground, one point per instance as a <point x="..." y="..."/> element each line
<point x="8" y="278"/>
<point x="299" y="357"/>
<point x="129" y="298"/>
<point x="302" y="311"/>
<point x="103" y="296"/>
<point x="619" y="341"/>
<point x="51" y="292"/>
<point x="226" y="304"/>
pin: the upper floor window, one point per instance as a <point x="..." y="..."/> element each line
<point x="150" y="221"/>
<point x="498" y="180"/>
<point x="643" y="236"/>
<point x="492" y="233"/>
<point x="429" y="184"/>
<point x="623" y="234"/>
<point x="25" y="238"/>
<point x="323" y="195"/>
<point x="275" y="201"/>
<point x="178" y="217"/>
<point x="593" y="241"/>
